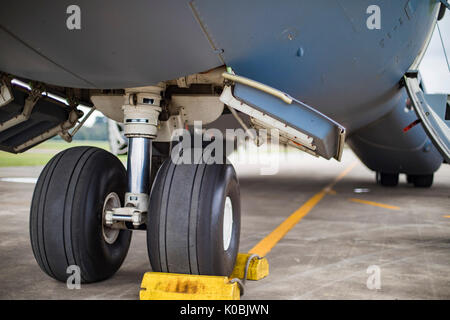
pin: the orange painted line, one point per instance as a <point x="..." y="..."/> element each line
<point x="265" y="245"/>
<point x="375" y="204"/>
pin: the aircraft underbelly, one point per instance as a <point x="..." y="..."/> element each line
<point x="320" y="52"/>
<point x="120" y="44"/>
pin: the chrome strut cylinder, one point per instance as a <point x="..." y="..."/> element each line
<point x="138" y="164"/>
<point x="141" y="110"/>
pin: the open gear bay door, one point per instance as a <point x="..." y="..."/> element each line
<point x="434" y="112"/>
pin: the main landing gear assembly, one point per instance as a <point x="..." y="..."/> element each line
<point x="391" y="179"/>
<point x="86" y="205"/>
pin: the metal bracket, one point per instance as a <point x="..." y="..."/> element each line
<point x="34" y="95"/>
<point x="445" y="3"/>
<point x="67" y="136"/>
<point x="253" y="135"/>
<point x="5" y="94"/>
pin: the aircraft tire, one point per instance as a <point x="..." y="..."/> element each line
<point x="67" y="212"/>
<point x="422" y="181"/>
<point x="409" y="179"/>
<point x="188" y="209"/>
<point x="387" y="179"/>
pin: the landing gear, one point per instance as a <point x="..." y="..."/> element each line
<point x="194" y="219"/>
<point x="421" y="181"/>
<point x="387" y="179"/>
<point x="391" y="179"/>
<point x="85" y="205"/>
<point x="67" y="211"/>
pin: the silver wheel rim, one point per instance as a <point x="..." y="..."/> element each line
<point x="227" y="223"/>
<point x="109" y="234"/>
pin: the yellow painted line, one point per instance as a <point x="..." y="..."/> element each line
<point x="446" y="216"/>
<point x="265" y="245"/>
<point x="376" y="204"/>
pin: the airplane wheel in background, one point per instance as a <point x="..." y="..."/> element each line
<point x="67" y="211"/>
<point x="193" y="222"/>
<point x="387" y="179"/>
<point x="421" y="181"/>
<point x="409" y="179"/>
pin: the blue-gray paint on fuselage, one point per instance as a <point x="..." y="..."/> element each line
<point x="121" y="44"/>
<point x="321" y="52"/>
<point x="384" y="147"/>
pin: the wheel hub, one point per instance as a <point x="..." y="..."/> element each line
<point x="227" y="223"/>
<point x="109" y="234"/>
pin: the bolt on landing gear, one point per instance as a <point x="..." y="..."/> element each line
<point x="85" y="206"/>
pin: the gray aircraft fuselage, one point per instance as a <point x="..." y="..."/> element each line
<point x="322" y="52"/>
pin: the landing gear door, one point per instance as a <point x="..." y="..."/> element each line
<point x="434" y="113"/>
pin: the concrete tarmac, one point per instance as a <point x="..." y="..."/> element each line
<point x="402" y="235"/>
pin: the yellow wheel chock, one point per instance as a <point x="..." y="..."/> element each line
<point x="257" y="269"/>
<point x="173" y="286"/>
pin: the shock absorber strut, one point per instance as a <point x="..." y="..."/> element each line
<point x="141" y="110"/>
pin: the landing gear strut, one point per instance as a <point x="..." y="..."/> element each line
<point x="141" y="111"/>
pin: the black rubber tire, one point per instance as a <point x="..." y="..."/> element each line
<point x="185" y="220"/>
<point x="387" y="179"/>
<point x="66" y="214"/>
<point x="409" y="179"/>
<point x="422" y="181"/>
